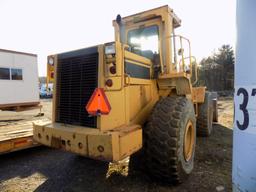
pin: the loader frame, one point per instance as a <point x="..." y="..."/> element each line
<point x="131" y="95"/>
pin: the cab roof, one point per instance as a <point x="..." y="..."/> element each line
<point x="162" y="11"/>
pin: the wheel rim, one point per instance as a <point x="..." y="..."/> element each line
<point x="189" y="141"/>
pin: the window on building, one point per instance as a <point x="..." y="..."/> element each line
<point x="4" y="73"/>
<point x="16" y="74"/>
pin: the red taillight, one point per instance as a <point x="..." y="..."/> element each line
<point x="98" y="103"/>
<point x="112" y="69"/>
<point x="109" y="82"/>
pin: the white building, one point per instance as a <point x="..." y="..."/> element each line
<point x="18" y="79"/>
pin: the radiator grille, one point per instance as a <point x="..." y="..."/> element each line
<point x="76" y="80"/>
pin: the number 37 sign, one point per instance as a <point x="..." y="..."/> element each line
<point x="245" y="109"/>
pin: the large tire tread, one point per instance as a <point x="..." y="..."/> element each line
<point x="162" y="135"/>
<point x="205" y="117"/>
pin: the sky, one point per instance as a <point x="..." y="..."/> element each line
<point x="47" y="27"/>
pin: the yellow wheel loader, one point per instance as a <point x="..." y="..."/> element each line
<point x="135" y="93"/>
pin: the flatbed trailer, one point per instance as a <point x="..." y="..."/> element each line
<point x="17" y="135"/>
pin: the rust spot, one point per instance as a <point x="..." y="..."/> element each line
<point x="56" y="142"/>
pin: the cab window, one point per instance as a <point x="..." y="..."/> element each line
<point x="144" y="41"/>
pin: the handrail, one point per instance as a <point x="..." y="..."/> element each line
<point x="191" y="67"/>
<point x="183" y="58"/>
<point x="181" y="38"/>
<point x="181" y="63"/>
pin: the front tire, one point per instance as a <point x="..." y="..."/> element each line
<point x="170" y="137"/>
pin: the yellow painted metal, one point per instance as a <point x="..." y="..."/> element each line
<point x="198" y="94"/>
<point x="189" y="141"/>
<point x="50" y="71"/>
<point x="117" y="116"/>
<point x="137" y="58"/>
<point x="178" y="81"/>
<point x="126" y="146"/>
<point x="137" y="81"/>
<point x="119" y="134"/>
<point x="55" y="94"/>
<point x="108" y="146"/>
<point x="100" y="147"/>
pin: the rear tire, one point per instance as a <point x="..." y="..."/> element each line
<point x="214" y="96"/>
<point x="169" y="138"/>
<point x="205" y="117"/>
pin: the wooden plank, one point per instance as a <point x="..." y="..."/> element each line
<point x="8" y="105"/>
<point x="18" y="130"/>
<point x="18" y="135"/>
<point x="9" y="137"/>
<point x="26" y="108"/>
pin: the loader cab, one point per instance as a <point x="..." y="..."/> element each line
<point x="150" y="34"/>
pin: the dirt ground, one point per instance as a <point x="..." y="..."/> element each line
<point x="45" y="169"/>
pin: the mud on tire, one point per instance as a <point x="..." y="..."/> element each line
<point x="164" y="139"/>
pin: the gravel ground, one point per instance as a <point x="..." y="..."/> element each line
<point x="45" y="169"/>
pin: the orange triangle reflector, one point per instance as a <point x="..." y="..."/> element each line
<point x="98" y="103"/>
